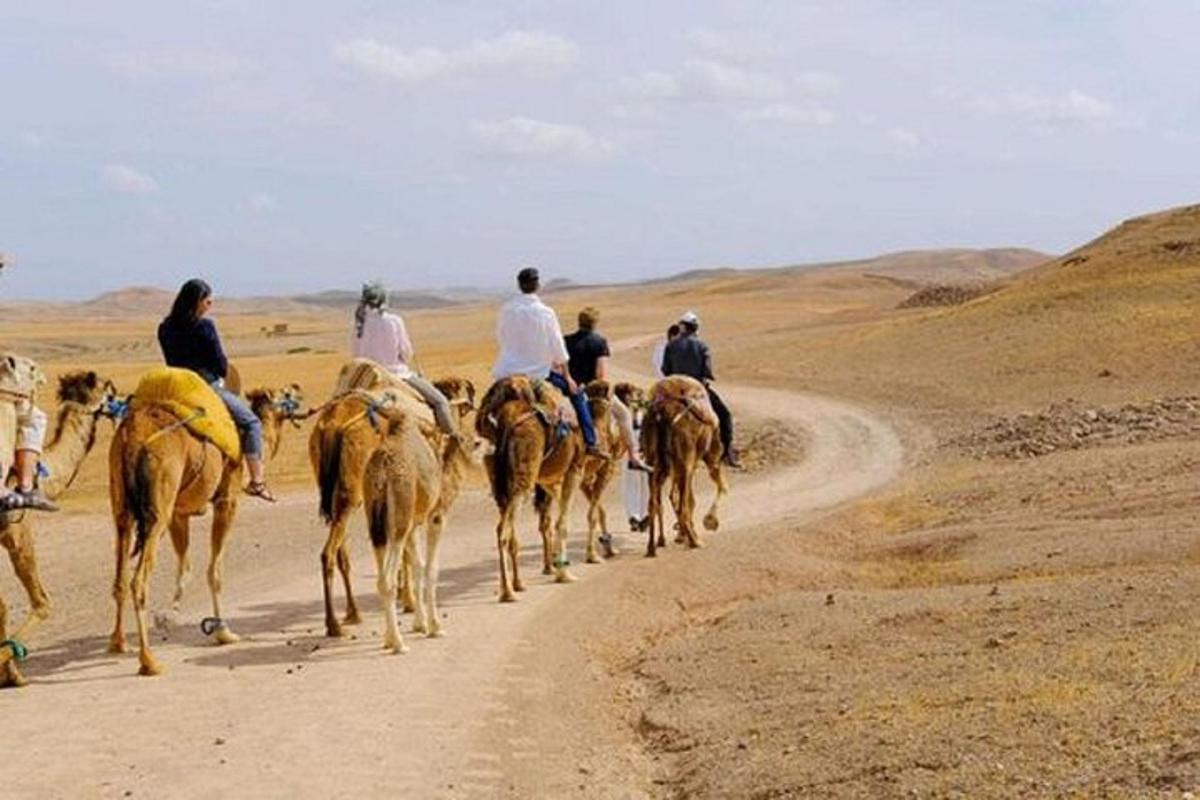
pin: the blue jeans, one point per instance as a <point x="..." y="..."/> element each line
<point x="249" y="427"/>
<point x="580" y="404"/>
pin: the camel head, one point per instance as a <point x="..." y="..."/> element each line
<point x="20" y="374"/>
<point x="634" y="398"/>
<point x="278" y="405"/>
<point x="460" y="392"/>
<point x="98" y="395"/>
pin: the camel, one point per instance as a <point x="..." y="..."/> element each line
<point x="529" y="456"/>
<point x="83" y="398"/>
<point x="348" y="430"/>
<point x="160" y="476"/>
<point x="409" y="482"/>
<point x="680" y="431"/>
<point x="598" y="473"/>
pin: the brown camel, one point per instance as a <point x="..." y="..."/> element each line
<point x="529" y="455"/>
<point x="348" y="430"/>
<point x="160" y="476"/>
<point x="83" y="398"/>
<point x="598" y="472"/>
<point x="411" y="480"/>
<point x="680" y="431"/>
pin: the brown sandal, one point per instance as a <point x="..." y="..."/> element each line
<point x="259" y="489"/>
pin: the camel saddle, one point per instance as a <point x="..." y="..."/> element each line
<point x="689" y="393"/>
<point x="186" y="395"/>
<point x="362" y="375"/>
<point x="548" y="404"/>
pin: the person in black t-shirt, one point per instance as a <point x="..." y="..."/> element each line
<point x="588" y="362"/>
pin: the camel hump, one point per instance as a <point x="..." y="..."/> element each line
<point x="361" y="375"/>
<point x="186" y="395"/>
<point x="682" y="390"/>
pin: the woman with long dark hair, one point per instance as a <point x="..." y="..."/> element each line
<point x="189" y="339"/>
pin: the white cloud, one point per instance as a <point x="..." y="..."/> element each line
<point x="176" y="64"/>
<point x="260" y="202"/>
<point x="739" y="47"/>
<point x="653" y="85"/>
<point x="530" y="52"/>
<point x="790" y="114"/>
<point x="712" y="80"/>
<point x="819" y="84"/>
<point x="521" y="137"/>
<point x="1070" y="109"/>
<point x="124" y="179"/>
<point x="904" y="138"/>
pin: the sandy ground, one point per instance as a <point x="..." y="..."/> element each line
<point x="288" y="711"/>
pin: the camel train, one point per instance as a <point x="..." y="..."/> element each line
<point x="374" y="445"/>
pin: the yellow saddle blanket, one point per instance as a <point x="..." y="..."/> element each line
<point x="187" y="396"/>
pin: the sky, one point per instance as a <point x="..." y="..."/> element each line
<point x="278" y="147"/>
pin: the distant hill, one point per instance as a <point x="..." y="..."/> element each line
<point x="1117" y="318"/>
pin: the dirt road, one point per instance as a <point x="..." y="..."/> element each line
<point x="289" y="712"/>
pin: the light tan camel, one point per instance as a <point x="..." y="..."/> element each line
<point x="160" y="476"/>
<point x="599" y="472"/>
<point x="529" y="457"/>
<point x="680" y="431"/>
<point x="348" y="430"/>
<point x="83" y="398"/>
<point x="411" y="481"/>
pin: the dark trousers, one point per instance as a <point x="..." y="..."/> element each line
<point x="724" y="419"/>
<point x="580" y="404"/>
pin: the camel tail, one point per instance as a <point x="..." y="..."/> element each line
<point x="660" y="434"/>
<point x="138" y="482"/>
<point x="329" y="472"/>
<point x="541" y="498"/>
<point x="501" y="469"/>
<point x="379" y="509"/>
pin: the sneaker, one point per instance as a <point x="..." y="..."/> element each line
<point x="640" y="466"/>
<point x="26" y="500"/>
<point x="730" y="459"/>
<point x="594" y="450"/>
<point x="607" y="545"/>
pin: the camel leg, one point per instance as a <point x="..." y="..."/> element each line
<point x="329" y="556"/>
<point x="9" y="675"/>
<point x="712" y="460"/>
<point x="141" y="581"/>
<point x="116" y="641"/>
<point x="224" y="510"/>
<point x="570" y="482"/>
<point x="689" y="510"/>
<point x="387" y="557"/>
<point x="504" y="537"/>
<point x="19" y="543"/>
<point x="408" y="596"/>
<point x="433" y="541"/>
<point x="543" y="500"/>
<point x="654" y="512"/>
<point x="679" y="498"/>
<point x="353" y="617"/>
<point x="413" y="553"/>
<point x="514" y="554"/>
<point x="179" y="539"/>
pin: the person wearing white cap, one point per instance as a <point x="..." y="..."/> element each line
<point x="687" y="355"/>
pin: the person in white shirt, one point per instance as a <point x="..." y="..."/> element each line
<point x="380" y="336"/>
<point x="656" y="357"/>
<point x="531" y="343"/>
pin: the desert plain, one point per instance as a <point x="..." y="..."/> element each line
<point x="963" y="560"/>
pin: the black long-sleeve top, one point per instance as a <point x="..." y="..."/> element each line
<point x="195" y="346"/>
<point x="687" y="355"/>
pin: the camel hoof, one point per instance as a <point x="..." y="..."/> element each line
<point x="564" y="576"/>
<point x="695" y="544"/>
<point x="547" y="571"/>
<point x="711" y="522"/>
<point x="592" y="558"/>
<point x="436" y="632"/>
<point x="352" y="618"/>
<point x="518" y="586"/>
<point x="420" y="627"/>
<point x="334" y="631"/>
<point x="117" y="645"/>
<point x="149" y="668"/>
<point x="226" y="636"/>
<point x="651" y="554"/>
<point x="12" y="679"/>
<point x="408" y="608"/>
<point x="508" y="597"/>
<point x="679" y="538"/>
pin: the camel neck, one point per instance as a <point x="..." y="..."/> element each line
<point x="74" y="436"/>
